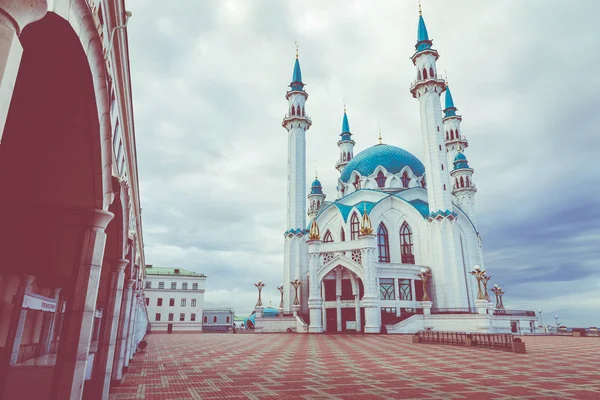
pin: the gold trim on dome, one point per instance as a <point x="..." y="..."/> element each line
<point x="365" y="226"/>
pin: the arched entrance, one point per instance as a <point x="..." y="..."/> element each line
<point x="342" y="291"/>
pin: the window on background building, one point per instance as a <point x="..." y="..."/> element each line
<point x="193" y="303"/>
<point x="171" y="302"/>
<point x="327" y="238"/>
<point x="215" y="319"/>
<point x="147" y="301"/>
<point x="227" y="320"/>
<point x="157" y="317"/>
<point x="161" y="285"/>
<point x="380" y="179"/>
<point x="148" y="284"/>
<point x="383" y="244"/>
<point x="183" y="301"/>
<point x="192" y="316"/>
<point x="182" y="317"/>
<point x="405" y="179"/>
<point x="386" y="289"/>
<point x="194" y="286"/>
<point x="205" y="319"/>
<point x="405" y="292"/>
<point x="173" y="285"/>
<point x="354" y="227"/>
<point x="184" y="285"/>
<point x="170" y="316"/>
<point x="406" y="244"/>
<point x="159" y="301"/>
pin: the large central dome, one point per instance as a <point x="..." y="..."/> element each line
<point x="392" y="158"/>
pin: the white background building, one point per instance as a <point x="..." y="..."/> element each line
<point x="175" y="298"/>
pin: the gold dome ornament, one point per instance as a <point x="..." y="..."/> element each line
<point x="365" y="225"/>
<point x="314" y="231"/>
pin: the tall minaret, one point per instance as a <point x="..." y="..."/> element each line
<point x="463" y="188"/>
<point x="316" y="198"/>
<point x="449" y="279"/>
<point x="455" y="140"/>
<point x="296" y="122"/>
<point x="346" y="144"/>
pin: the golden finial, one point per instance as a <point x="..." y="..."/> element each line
<point x="446" y="75"/>
<point x="316" y="175"/>
<point x="380" y="138"/>
<point x="313" y="234"/>
<point x="420" y="11"/>
<point x="344" y="105"/>
<point x="296" y="43"/>
<point x="365" y="226"/>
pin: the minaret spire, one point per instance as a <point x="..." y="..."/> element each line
<point x="346" y="144"/>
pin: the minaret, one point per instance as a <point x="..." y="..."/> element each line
<point x="346" y="144"/>
<point x="455" y="141"/>
<point x="316" y="198"/>
<point x="296" y="122"/>
<point x="463" y="188"/>
<point x="449" y="281"/>
<point x="427" y="89"/>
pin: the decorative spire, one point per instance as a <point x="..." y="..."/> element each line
<point x="365" y="225"/>
<point x="345" y="124"/>
<point x="423" y="42"/>
<point x="296" y="43"/>
<point x="380" y="138"/>
<point x="297" y="77"/>
<point x="450" y="110"/>
<point x="314" y="231"/>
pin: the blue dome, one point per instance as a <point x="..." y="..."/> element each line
<point x="392" y="158"/>
<point x="460" y="161"/>
<point x="316" y="188"/>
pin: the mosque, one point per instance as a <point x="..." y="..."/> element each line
<point x="398" y="245"/>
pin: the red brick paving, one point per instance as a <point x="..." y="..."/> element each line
<point x="300" y="366"/>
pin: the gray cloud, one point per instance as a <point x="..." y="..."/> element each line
<point x="209" y="80"/>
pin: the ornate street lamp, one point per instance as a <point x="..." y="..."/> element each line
<point x="484" y="282"/>
<point x="479" y="273"/>
<point x="497" y="290"/>
<point x="557" y="322"/>
<point x="296" y="283"/>
<point x="280" y="288"/>
<point x="260" y="285"/>
<point x="424" y="275"/>
<point x="541" y="319"/>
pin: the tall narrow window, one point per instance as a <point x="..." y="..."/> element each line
<point x="357" y="183"/>
<point x="184" y="285"/>
<point x="405" y="179"/>
<point x="468" y="182"/>
<point x="182" y="316"/>
<point x="159" y="301"/>
<point x="327" y="238"/>
<point x="406" y="244"/>
<point x="383" y="244"/>
<point x="386" y="289"/>
<point x="293" y="110"/>
<point x="157" y="317"/>
<point x="205" y="319"/>
<point x="354" y="227"/>
<point x="215" y="319"/>
<point x="148" y="284"/>
<point x="431" y="74"/>
<point x="380" y="179"/>
<point x="405" y="292"/>
<point x="183" y="301"/>
<point x="342" y="235"/>
<point x="173" y="285"/>
<point x="423" y="183"/>
<point x="424" y="73"/>
<point x="194" y="286"/>
<point x="171" y="302"/>
<point x="193" y="303"/>
<point x="228" y="319"/>
<point x="192" y="316"/>
<point x="447" y="135"/>
<point x="462" y="182"/>
<point x="451" y="134"/>
<point x="170" y="316"/>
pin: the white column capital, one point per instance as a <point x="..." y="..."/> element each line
<point x="100" y="219"/>
<point x="130" y="283"/>
<point x="118" y="265"/>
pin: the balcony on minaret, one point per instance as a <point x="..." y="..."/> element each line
<point x="435" y="79"/>
<point x="289" y="117"/>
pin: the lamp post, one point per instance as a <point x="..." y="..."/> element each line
<point x="280" y="288"/>
<point x="497" y="290"/>
<point x="296" y="304"/>
<point x="479" y="274"/>
<point x="260" y="285"/>
<point x="424" y="275"/>
<point x="557" y="322"/>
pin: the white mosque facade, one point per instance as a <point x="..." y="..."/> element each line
<point x="361" y="256"/>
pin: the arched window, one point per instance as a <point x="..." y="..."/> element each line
<point x="424" y="73"/>
<point x="380" y="179"/>
<point x="205" y="319"/>
<point x="357" y="183"/>
<point x="293" y="110"/>
<point x="457" y="134"/>
<point x="462" y="182"/>
<point x="405" y="179"/>
<point x="456" y="185"/>
<point x="423" y="183"/>
<point x="406" y="244"/>
<point x="447" y="135"/>
<point x="327" y="238"/>
<point x="303" y="111"/>
<point x="349" y="156"/>
<point x="227" y="320"/>
<point x="451" y="134"/>
<point x="468" y="182"/>
<point x="343" y="190"/>
<point x="344" y="157"/>
<point x="215" y="318"/>
<point x="354" y="227"/>
<point x="342" y="235"/>
<point x="298" y="110"/>
<point x="418" y="75"/>
<point x="318" y="203"/>
<point x="383" y="244"/>
<point x="431" y="74"/>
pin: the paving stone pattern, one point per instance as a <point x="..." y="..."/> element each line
<point x="300" y="366"/>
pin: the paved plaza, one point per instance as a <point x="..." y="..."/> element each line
<point x="294" y="366"/>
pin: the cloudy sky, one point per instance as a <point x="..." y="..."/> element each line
<point x="209" y="80"/>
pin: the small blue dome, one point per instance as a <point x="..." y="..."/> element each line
<point x="460" y="161"/>
<point x="316" y="187"/>
<point x="392" y="158"/>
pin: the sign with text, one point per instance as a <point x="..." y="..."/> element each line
<point x="34" y="302"/>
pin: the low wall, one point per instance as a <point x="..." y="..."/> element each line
<point x="484" y="323"/>
<point x="274" y="324"/>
